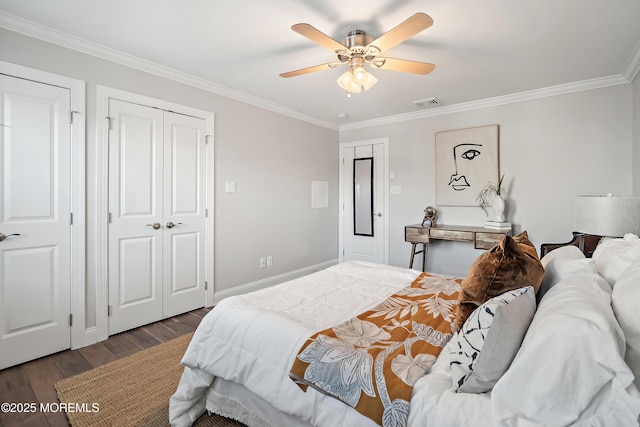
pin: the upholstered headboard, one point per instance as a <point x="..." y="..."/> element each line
<point x="585" y="242"/>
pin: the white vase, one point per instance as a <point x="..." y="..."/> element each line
<point x="498" y="208"/>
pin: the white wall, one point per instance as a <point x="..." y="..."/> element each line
<point x="272" y="158"/>
<point x="551" y="149"/>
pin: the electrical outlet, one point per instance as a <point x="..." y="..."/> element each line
<point x="269" y="261"/>
<point x="263" y="262"/>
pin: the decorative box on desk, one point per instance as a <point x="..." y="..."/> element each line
<point x="482" y="238"/>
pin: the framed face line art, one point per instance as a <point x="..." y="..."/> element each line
<point x="466" y="159"/>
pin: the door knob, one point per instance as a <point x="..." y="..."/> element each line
<point x="171" y="224"/>
<point x="155" y="225"/>
<point x="379" y="214"/>
<point x="4" y="236"/>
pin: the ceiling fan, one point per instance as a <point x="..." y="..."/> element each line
<point x="358" y="49"/>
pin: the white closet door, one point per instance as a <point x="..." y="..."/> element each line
<point x="184" y="206"/>
<point x="135" y="208"/>
<point x="157" y="201"/>
<point x="34" y="203"/>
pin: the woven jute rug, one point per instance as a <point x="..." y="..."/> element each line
<point x="133" y="391"/>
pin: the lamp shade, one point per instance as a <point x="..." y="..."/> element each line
<point x="607" y="215"/>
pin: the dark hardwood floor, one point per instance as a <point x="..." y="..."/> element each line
<point x="32" y="382"/>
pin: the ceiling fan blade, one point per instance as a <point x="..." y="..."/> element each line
<point x="317" y="36"/>
<point x="307" y="70"/>
<point x="410" y="27"/>
<point x="403" y="65"/>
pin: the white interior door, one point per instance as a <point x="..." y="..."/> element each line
<point x="35" y="258"/>
<point x="135" y="210"/>
<point x="184" y="207"/>
<point x="157" y="207"/>
<point x="363" y="193"/>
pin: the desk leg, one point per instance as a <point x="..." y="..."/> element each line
<point x="413" y="253"/>
<point x="424" y="256"/>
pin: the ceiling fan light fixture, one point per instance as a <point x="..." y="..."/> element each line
<point x="369" y="82"/>
<point x="356" y="78"/>
<point x="346" y="82"/>
<point x="359" y="75"/>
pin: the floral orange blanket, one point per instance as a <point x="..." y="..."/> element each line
<point x="372" y="361"/>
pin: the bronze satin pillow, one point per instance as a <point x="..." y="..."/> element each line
<point x="511" y="264"/>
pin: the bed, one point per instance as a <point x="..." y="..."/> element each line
<point x="562" y="351"/>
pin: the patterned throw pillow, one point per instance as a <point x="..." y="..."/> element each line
<point x="486" y="344"/>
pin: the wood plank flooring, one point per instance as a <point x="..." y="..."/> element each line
<point x="32" y="382"/>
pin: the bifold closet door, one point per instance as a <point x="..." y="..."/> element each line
<point x="184" y="220"/>
<point x="136" y="146"/>
<point x="157" y="206"/>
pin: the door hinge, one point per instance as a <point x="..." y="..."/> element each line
<point x="109" y="217"/>
<point x="108" y="310"/>
<point x="206" y="138"/>
<point x="206" y="213"/>
<point x="108" y="122"/>
<point x="206" y="285"/>
<point x="71" y="218"/>
<point x="70" y="319"/>
<point x="71" y="116"/>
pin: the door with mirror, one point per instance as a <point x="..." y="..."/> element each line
<point x="363" y="194"/>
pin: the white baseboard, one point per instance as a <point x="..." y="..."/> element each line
<point x="270" y="281"/>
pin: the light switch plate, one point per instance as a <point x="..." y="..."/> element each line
<point x="230" y="187"/>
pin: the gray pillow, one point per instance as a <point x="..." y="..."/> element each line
<point x="488" y="341"/>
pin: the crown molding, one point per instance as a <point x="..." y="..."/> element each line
<point x="633" y="67"/>
<point x="60" y="38"/>
<point x="493" y="102"/>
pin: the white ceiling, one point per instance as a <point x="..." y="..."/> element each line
<point x="482" y="49"/>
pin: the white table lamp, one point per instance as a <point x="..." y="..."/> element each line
<point x="609" y="215"/>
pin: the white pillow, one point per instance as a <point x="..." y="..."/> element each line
<point x="614" y="256"/>
<point x="570" y="367"/>
<point x="563" y="253"/>
<point x="557" y="265"/>
<point x="625" y="300"/>
<point x="489" y="339"/>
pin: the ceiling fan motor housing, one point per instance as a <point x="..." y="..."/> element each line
<point x="357" y="38"/>
<point x="355" y="43"/>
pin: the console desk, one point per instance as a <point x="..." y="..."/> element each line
<point x="482" y="238"/>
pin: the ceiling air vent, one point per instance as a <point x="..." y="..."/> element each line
<point x="428" y="102"/>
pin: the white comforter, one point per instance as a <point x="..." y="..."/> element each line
<point x="253" y="339"/>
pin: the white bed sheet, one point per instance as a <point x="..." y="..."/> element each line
<point x="252" y="340"/>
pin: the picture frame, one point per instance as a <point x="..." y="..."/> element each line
<point x="466" y="160"/>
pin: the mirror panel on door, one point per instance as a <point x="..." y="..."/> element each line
<point x="363" y="196"/>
